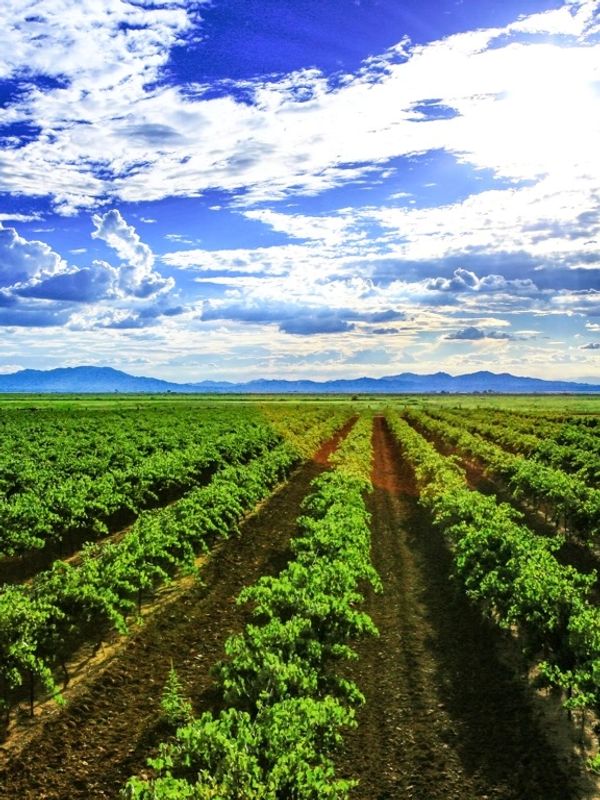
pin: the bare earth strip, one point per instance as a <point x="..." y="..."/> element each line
<point x="112" y="724"/>
<point x="444" y="718"/>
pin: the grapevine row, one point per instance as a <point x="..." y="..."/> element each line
<point x="296" y="423"/>
<point x="511" y="572"/>
<point x="42" y="623"/>
<point x="61" y="489"/>
<point x="285" y="705"/>
<point x="580" y="456"/>
<point x="566" y="499"/>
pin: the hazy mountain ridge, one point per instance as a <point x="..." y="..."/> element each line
<point x="108" y="380"/>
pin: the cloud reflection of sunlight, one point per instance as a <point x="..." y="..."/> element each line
<point x="547" y="119"/>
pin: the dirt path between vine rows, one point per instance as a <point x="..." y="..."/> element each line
<point x="106" y="733"/>
<point x="444" y="718"/>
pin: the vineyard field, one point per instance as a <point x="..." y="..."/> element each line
<point x="294" y="598"/>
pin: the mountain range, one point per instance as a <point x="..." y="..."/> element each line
<point x="98" y="380"/>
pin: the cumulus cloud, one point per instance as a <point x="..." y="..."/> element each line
<point x="319" y="322"/>
<point x="471" y="251"/>
<point x="296" y="316"/>
<point x="361" y="282"/>
<point x="39" y="288"/>
<point x="16" y="313"/>
<point x="78" y="285"/>
<point x="30" y="268"/>
<point x="388" y="315"/>
<point x="21" y="259"/>
<point x="116" y="318"/>
<point x="473" y="334"/>
<point x="590" y="346"/>
<point x="584" y="302"/>
<point x="136" y="273"/>
<point x="112" y="228"/>
<point x="289" y="317"/>
<point x="531" y="220"/>
<point x="463" y="280"/>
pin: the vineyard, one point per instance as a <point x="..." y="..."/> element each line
<point x="300" y="599"/>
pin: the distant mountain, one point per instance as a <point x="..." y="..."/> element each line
<point x="71" y="380"/>
<point x="100" y="380"/>
<point x="407" y="382"/>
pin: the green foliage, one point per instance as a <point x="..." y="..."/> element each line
<point x="353" y="457"/>
<point x="509" y="570"/>
<point x="63" y="473"/>
<point x="41" y="623"/>
<point x="561" y="444"/>
<point x="572" y="504"/>
<point x="593" y="764"/>
<point x="286" y="703"/>
<point x="24" y="627"/>
<point x="101" y="591"/>
<point x="280" y="753"/>
<point x="305" y="426"/>
<point x="176" y="709"/>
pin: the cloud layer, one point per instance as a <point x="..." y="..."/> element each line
<point x="108" y="128"/>
<point x="444" y="198"/>
<point x="39" y="288"/>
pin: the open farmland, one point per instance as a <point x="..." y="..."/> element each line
<point x="378" y="598"/>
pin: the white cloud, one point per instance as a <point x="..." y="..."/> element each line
<point x="136" y="273"/>
<point x="578" y="302"/>
<point x="6" y="369"/>
<point x="464" y="280"/>
<point x="40" y="288"/>
<point x="72" y="285"/>
<point x="574" y="19"/>
<point x="112" y="228"/>
<point x="179" y="238"/>
<point x="521" y="102"/>
<point x="545" y="220"/>
<point x="519" y="230"/>
<point x="21" y="259"/>
<point x="260" y="260"/>
<point x="474" y="334"/>
<point x="52" y="37"/>
<point x="334" y="230"/>
<point x="20" y="217"/>
<point x="523" y="110"/>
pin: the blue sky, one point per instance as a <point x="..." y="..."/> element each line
<point x="317" y="188"/>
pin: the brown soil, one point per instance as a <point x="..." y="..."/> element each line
<point x="112" y="722"/>
<point x="444" y="718"/>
